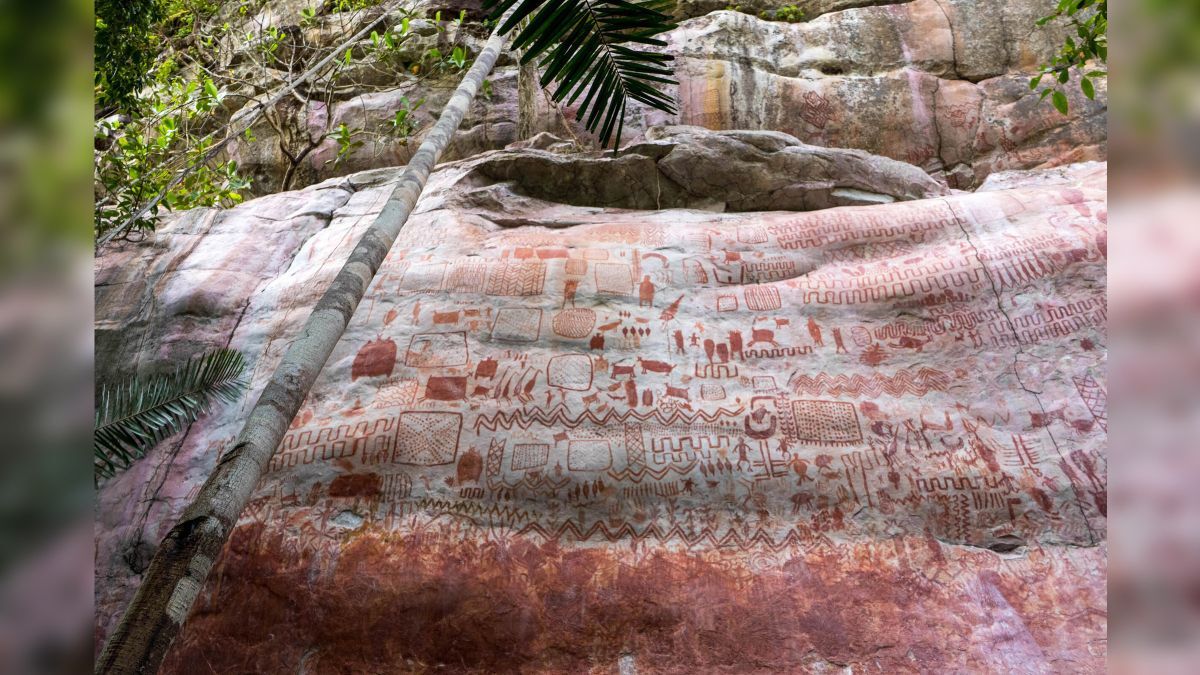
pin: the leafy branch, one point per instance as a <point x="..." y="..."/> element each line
<point x="1090" y="19"/>
<point x="135" y="414"/>
<point x="596" y="49"/>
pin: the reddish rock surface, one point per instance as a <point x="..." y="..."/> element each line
<point x="676" y="441"/>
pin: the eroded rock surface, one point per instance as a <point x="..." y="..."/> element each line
<point x="942" y="84"/>
<point x="567" y="438"/>
<point x="690" y="167"/>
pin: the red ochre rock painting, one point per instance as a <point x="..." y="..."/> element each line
<point x="823" y="452"/>
<point x="377" y="357"/>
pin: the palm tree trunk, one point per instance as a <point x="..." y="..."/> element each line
<point x="181" y="564"/>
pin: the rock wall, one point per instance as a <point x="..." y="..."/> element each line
<point x="595" y="436"/>
<point x="942" y="84"/>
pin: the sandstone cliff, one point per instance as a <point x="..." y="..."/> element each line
<point x="937" y="83"/>
<point x="661" y="418"/>
<point x="810" y="377"/>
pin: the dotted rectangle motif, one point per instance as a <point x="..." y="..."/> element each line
<point x="517" y="324"/>
<point x="826" y="422"/>
<point x="427" y="438"/>
<point x="614" y="278"/>
<point x="530" y="456"/>
<point x="570" y="371"/>
<point x="589" y="455"/>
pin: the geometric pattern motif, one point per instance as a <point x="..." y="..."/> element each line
<point x="427" y="438"/>
<point x="570" y="371"/>
<point x="762" y="298"/>
<point x="614" y="278"/>
<point x="516" y="279"/>
<point x="530" y="456"/>
<point x="1094" y="397"/>
<point x="517" y="324"/>
<point x="589" y="455"/>
<point x="826" y="422"/>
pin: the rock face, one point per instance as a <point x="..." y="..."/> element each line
<point x="689" y="167"/>
<point x="942" y="84"/>
<point x="577" y="436"/>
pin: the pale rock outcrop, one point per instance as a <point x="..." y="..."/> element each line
<point x="573" y="436"/>
<point x="167" y="308"/>
<point x="942" y="84"/>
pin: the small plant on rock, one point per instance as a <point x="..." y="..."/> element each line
<point x="308" y="17"/>
<point x="339" y="6"/>
<point x="459" y="57"/>
<point x="347" y="143"/>
<point x="404" y="124"/>
<point x="787" y="13"/>
<point x="1086" y="52"/>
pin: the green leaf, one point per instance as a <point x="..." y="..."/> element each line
<point x="135" y="414"/>
<point x="1088" y="90"/>
<point x="1059" y="100"/>
<point x="1033" y="82"/>
<point x="592" y="48"/>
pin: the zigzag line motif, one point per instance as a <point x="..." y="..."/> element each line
<point x="638" y="475"/>
<point x="559" y="415"/>
<point x="903" y="383"/>
<point x="469" y="509"/>
<point x="807" y="540"/>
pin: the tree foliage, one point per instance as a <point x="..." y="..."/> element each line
<point x="126" y="46"/>
<point x="1085" y="52"/>
<point x="138" y="158"/>
<point x="597" y="49"/>
<point x="166" y="148"/>
<point x="135" y="414"/>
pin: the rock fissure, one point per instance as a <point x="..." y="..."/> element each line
<point x="1016" y="371"/>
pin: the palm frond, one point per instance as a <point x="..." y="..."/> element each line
<point x="595" y="49"/>
<point x="136" y="413"/>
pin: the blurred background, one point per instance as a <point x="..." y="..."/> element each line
<point x="1154" y="326"/>
<point x="45" y="336"/>
<point x="46" y="344"/>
